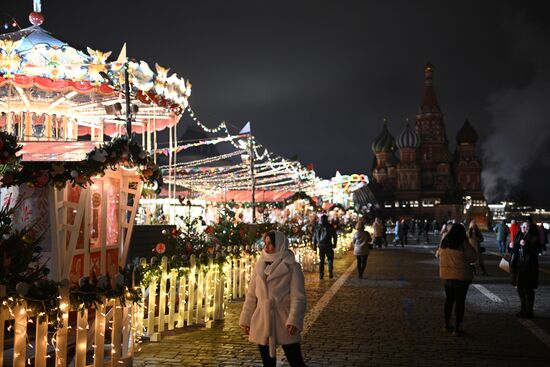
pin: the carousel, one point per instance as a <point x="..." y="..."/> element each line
<point x="72" y="174"/>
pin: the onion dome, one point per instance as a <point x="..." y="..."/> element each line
<point x="466" y="134"/>
<point x="408" y="138"/>
<point x="385" y="142"/>
<point x="443" y="156"/>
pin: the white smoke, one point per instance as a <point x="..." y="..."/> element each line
<point x="520" y="119"/>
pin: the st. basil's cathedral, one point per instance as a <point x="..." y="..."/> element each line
<point x="416" y="175"/>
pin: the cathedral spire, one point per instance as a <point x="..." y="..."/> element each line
<point x="429" y="101"/>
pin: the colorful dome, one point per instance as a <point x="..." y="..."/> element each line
<point x="385" y="142"/>
<point x="408" y="138"/>
<point x="466" y="134"/>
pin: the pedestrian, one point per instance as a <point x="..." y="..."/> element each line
<point x="396" y="232"/>
<point x="445" y="227"/>
<point x="419" y="228"/>
<point x="384" y="233"/>
<point x="325" y="240"/>
<point x="524" y="266"/>
<point x="475" y="238"/>
<point x="377" y="232"/>
<point x="543" y="238"/>
<point x="435" y="226"/>
<point x="402" y="232"/>
<point x="361" y="242"/>
<point x="405" y="224"/>
<point x="502" y="234"/>
<point x="275" y="303"/>
<point x="455" y="256"/>
<point x="514" y="230"/>
<point x="427" y="230"/>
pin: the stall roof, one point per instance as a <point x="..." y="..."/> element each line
<point x="246" y="196"/>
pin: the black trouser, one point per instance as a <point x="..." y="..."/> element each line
<point x="527" y="298"/>
<point x="361" y="264"/>
<point x="329" y="252"/>
<point x="402" y="239"/>
<point x="455" y="291"/>
<point x="293" y="354"/>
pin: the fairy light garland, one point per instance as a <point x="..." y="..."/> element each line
<point x="276" y="164"/>
<point x="205" y="160"/>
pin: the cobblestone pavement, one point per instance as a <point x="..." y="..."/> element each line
<point x="391" y="318"/>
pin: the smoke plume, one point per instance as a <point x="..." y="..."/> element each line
<point x="519" y="118"/>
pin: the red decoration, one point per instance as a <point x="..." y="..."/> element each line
<point x="160" y="248"/>
<point x="36" y="18"/>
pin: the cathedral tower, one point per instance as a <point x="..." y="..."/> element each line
<point x="383" y="148"/>
<point x="408" y="169"/>
<point x="468" y="166"/>
<point x="431" y="129"/>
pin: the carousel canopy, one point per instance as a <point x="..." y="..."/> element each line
<point x="50" y="90"/>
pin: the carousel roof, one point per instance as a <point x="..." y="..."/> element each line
<point x="50" y="90"/>
<point x="34" y="52"/>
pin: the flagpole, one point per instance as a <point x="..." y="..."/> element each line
<point x="253" y="180"/>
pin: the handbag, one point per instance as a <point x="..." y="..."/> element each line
<point x="504" y="264"/>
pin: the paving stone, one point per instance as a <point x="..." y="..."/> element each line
<point x="394" y="317"/>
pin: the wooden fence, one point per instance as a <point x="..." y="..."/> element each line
<point x="95" y="337"/>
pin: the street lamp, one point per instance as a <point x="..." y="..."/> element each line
<point x="117" y="107"/>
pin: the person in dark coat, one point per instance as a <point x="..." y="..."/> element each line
<point x="543" y="238"/>
<point x="402" y="232"/>
<point x="384" y="234"/>
<point x="427" y="230"/>
<point x="325" y="238"/>
<point x="524" y="266"/>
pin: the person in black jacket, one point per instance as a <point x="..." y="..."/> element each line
<point x="524" y="266"/>
<point x="325" y="239"/>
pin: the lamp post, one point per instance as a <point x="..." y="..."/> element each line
<point x="127" y="103"/>
<point x="127" y="98"/>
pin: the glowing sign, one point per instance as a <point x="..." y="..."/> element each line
<point x="349" y="183"/>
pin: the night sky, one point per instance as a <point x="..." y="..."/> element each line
<point x="317" y="78"/>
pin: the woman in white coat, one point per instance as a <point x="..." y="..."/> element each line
<point x="275" y="304"/>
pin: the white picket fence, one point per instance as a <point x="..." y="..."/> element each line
<point x="198" y="296"/>
<point x="103" y="336"/>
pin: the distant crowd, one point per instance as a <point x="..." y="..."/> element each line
<point x="460" y="254"/>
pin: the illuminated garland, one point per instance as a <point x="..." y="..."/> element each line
<point x="207" y="160"/>
<point x="166" y="151"/>
<point x="293" y="168"/>
<point x="119" y="151"/>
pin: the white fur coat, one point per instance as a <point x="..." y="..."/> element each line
<point x="273" y="302"/>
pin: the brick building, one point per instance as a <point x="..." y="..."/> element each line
<point x="417" y="175"/>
